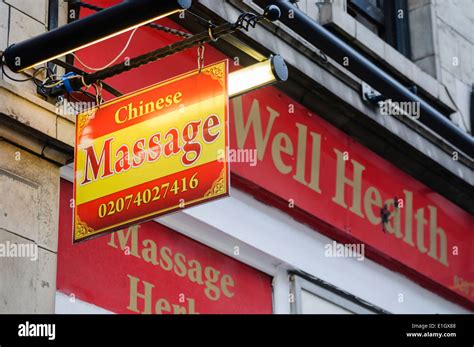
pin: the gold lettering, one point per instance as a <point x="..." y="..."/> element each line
<point x="315" y="162"/>
<point x="191" y="306"/>
<point x="178" y="97"/>
<point x="165" y="262"/>
<point x="149" y="252"/>
<point x="150" y="107"/>
<point x="134" y="295"/>
<point x="408" y="218"/>
<point x="282" y="143"/>
<point x="420" y="229"/>
<point x="393" y="225"/>
<point x="342" y="180"/>
<point x="435" y="231"/>
<point x="162" y="305"/>
<point x="124" y="240"/>
<point x="254" y="120"/>
<point x="118" y="120"/>
<point x="180" y="268"/>
<point x="212" y="291"/>
<point x="301" y="154"/>
<point x="372" y="198"/>
<point x="195" y="272"/>
<point x="177" y="309"/>
<point x="300" y="175"/>
<point x="227" y="281"/>
<point x="160" y="104"/>
<point x="134" y="111"/>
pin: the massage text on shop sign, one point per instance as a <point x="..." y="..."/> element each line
<point x="151" y="152"/>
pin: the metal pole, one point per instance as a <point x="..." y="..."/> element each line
<point x="89" y="30"/>
<point x="367" y="71"/>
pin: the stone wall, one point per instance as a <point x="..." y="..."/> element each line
<point x="443" y="45"/>
<point x="33" y="145"/>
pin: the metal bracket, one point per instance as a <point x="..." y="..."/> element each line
<point x="369" y="94"/>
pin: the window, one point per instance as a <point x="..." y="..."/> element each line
<point x="316" y="297"/>
<point x="387" y="18"/>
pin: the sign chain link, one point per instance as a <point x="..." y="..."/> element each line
<point x="200" y="58"/>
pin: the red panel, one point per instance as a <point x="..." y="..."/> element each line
<point x="441" y="249"/>
<point x="98" y="271"/>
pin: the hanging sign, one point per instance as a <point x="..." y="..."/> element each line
<point x="152" y="152"/>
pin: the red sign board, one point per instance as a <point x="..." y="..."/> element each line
<point x="152" y="152"/>
<point x="321" y="170"/>
<point x="150" y="268"/>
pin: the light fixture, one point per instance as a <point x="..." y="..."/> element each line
<point x="84" y="32"/>
<point x="258" y="75"/>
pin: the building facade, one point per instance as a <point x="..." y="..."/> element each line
<point x="317" y="162"/>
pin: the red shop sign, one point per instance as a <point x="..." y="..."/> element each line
<point x="321" y="170"/>
<point x="151" y="152"/>
<point x="150" y="268"/>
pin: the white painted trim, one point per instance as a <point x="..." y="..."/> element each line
<point x="281" y="291"/>
<point x="224" y="243"/>
<point x="67" y="173"/>
<point x="67" y="305"/>
<point x="300" y="284"/>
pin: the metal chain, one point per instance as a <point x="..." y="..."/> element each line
<point x="98" y="93"/>
<point x="161" y="53"/>
<point x="151" y="25"/>
<point x="245" y="21"/>
<point x="200" y="58"/>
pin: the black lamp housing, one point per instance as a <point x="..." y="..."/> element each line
<point x="279" y="68"/>
<point x="86" y="31"/>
